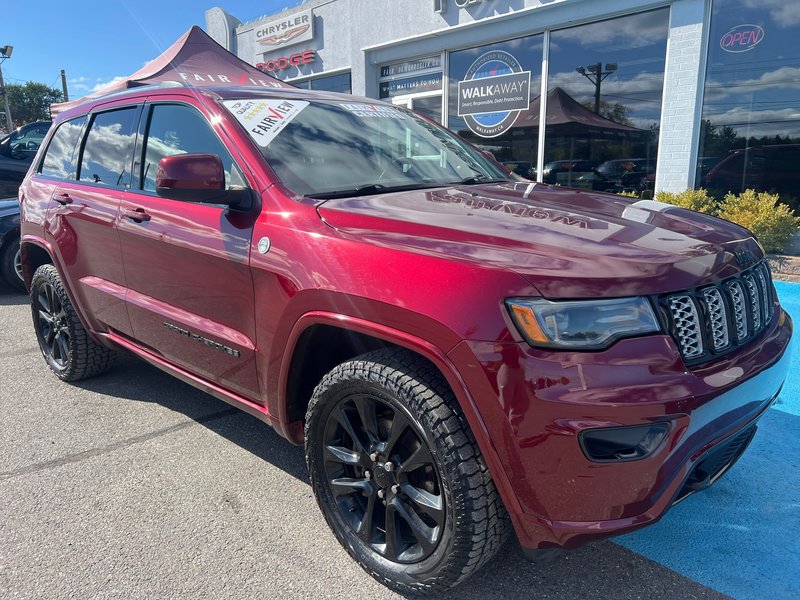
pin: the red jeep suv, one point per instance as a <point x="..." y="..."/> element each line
<point x="461" y="351"/>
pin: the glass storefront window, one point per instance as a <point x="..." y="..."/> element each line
<point x="604" y="103"/>
<point x="490" y="96"/>
<point x="328" y="83"/>
<point x="750" y="133"/>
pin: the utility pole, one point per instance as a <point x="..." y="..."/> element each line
<point x="64" y="85"/>
<point x="596" y="75"/>
<point x="5" y="52"/>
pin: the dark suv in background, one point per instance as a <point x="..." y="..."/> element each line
<point x="17" y="150"/>
<point x="461" y="351"/>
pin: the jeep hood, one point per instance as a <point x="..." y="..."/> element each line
<point x="567" y="243"/>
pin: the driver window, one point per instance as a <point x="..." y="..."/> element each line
<point x="176" y="129"/>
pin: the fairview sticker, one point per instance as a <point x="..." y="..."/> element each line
<point x="264" y="119"/>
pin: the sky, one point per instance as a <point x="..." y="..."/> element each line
<point x="95" y="41"/>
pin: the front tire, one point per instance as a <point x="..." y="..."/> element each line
<point x="66" y="346"/>
<point x="398" y="474"/>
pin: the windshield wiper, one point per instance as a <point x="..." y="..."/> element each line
<point x="370" y="189"/>
<point x="477" y="179"/>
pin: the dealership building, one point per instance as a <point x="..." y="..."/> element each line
<point x="641" y="94"/>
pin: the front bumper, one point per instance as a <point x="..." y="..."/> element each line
<point x="536" y="403"/>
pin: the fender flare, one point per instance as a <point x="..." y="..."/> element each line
<point x="34" y="240"/>
<point x="416" y="344"/>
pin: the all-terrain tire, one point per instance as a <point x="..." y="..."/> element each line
<point x="402" y="387"/>
<point x="66" y="346"/>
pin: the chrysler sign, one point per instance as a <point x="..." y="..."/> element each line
<point x="298" y="27"/>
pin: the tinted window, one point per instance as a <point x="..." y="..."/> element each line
<point x="330" y="83"/>
<point x="108" y="150"/>
<point x="751" y="103"/>
<point x="604" y="101"/>
<point x="176" y="129"/>
<point x="59" y="160"/>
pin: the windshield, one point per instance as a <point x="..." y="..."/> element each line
<point x="324" y="149"/>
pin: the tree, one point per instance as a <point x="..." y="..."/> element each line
<point x="31" y="101"/>
<point x="617" y="112"/>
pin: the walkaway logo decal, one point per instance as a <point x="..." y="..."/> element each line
<point x="494" y="91"/>
<point x="281" y="38"/>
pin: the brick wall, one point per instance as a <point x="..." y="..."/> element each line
<point x="682" y="92"/>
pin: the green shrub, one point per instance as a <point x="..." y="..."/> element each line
<point x="771" y="222"/>
<point x="698" y="200"/>
<point x="628" y="194"/>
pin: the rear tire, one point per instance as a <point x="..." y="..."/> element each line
<point x="66" y="346"/>
<point x="11" y="266"/>
<point x="398" y="474"/>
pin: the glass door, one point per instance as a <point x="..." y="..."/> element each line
<point x="428" y="104"/>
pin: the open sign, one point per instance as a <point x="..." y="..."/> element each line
<point x="742" y="38"/>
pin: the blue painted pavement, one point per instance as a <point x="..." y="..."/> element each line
<point x="742" y="536"/>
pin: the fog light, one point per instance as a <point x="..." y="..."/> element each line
<point x="621" y="444"/>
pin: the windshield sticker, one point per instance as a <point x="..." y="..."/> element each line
<point x="368" y="111"/>
<point x="264" y="119"/>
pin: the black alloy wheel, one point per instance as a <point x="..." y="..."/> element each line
<point x="383" y="478"/>
<point x="398" y="474"/>
<point x="66" y="346"/>
<point x="51" y="325"/>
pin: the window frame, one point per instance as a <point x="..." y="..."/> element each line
<point x="143" y="133"/>
<point x="73" y="156"/>
<point x="90" y="119"/>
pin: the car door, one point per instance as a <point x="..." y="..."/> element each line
<point x="82" y="217"/>
<point x="190" y="292"/>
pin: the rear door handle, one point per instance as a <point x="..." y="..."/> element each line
<point x="137" y="214"/>
<point x="63" y="199"/>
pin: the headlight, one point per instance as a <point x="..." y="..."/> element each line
<point x="581" y="325"/>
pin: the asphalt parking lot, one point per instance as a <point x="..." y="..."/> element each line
<point x="135" y="485"/>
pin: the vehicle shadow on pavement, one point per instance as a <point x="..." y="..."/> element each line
<point x="133" y="379"/>
<point x="601" y="570"/>
<point x="9" y="297"/>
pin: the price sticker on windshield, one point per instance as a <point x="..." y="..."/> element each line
<point x="372" y="111"/>
<point x="264" y="119"/>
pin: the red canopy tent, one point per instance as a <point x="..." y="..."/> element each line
<point x="569" y="115"/>
<point x="194" y="59"/>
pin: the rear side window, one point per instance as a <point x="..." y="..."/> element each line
<point x="59" y="160"/>
<point x="176" y="129"/>
<point x="108" y="150"/>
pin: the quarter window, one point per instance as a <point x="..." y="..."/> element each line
<point x="109" y="148"/>
<point x="59" y="160"/>
<point x="176" y="129"/>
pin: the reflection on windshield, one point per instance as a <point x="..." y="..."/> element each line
<point x="331" y="149"/>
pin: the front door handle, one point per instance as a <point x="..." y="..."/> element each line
<point x="63" y="199"/>
<point x="138" y="215"/>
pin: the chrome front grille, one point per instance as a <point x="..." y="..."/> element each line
<point x="718" y="317"/>
<point x="755" y="301"/>
<point x="739" y="310"/>
<point x="714" y="319"/>
<point x="687" y="325"/>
